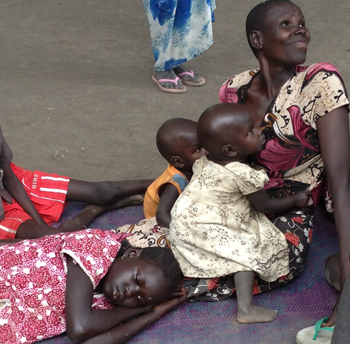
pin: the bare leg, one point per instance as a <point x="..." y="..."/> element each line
<point x="105" y="193"/>
<point x="32" y="230"/>
<point x="248" y="313"/>
<point x="332" y="271"/>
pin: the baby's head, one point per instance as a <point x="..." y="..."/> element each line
<point x="228" y="133"/>
<point x="178" y="143"/>
<point x="142" y="277"/>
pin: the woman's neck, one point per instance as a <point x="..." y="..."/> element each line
<point x="272" y="78"/>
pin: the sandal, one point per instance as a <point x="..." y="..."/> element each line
<point x="200" y="81"/>
<point x="315" y="334"/>
<point x="169" y="90"/>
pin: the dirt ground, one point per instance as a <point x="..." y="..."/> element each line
<point x="75" y="80"/>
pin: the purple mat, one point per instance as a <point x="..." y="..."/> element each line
<point x="300" y="304"/>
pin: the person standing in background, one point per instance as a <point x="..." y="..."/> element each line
<point x="180" y="31"/>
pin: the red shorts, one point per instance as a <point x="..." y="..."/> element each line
<point x="48" y="193"/>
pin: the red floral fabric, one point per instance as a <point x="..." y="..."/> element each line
<point x="33" y="281"/>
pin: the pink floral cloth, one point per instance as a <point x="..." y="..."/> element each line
<point x="33" y="281"/>
<point x="291" y="158"/>
<point x="292" y="155"/>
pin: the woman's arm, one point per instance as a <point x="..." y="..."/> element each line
<point x="83" y="322"/>
<point x="262" y="202"/>
<point x="333" y="132"/>
<point x="16" y="190"/>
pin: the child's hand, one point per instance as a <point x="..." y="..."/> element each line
<point x="301" y="199"/>
<point x="175" y="300"/>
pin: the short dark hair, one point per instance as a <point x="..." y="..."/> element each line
<point x="164" y="259"/>
<point x="169" y="132"/>
<point x="256" y="17"/>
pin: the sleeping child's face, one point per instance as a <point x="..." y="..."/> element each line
<point x="132" y="282"/>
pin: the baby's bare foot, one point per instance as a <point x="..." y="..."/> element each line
<point x="255" y="314"/>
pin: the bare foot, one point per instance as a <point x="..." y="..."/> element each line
<point x="332" y="318"/>
<point x="169" y="74"/>
<point x="255" y="314"/>
<point x="332" y="271"/>
<point x="189" y="78"/>
<point x="91" y="211"/>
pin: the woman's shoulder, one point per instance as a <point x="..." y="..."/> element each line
<point x="322" y="70"/>
<point x="317" y="67"/>
<point x="229" y="89"/>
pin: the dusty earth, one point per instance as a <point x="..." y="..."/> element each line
<point x="75" y="81"/>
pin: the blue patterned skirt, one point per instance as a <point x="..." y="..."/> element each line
<point x="180" y="30"/>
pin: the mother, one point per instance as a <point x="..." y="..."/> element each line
<point x="303" y="112"/>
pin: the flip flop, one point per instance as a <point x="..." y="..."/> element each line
<point x="169" y="90"/>
<point x="201" y="81"/>
<point x="315" y="334"/>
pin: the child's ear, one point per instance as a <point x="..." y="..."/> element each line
<point x="177" y="162"/>
<point x="133" y="252"/>
<point x="229" y="151"/>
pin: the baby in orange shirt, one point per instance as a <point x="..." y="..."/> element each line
<point x="177" y="142"/>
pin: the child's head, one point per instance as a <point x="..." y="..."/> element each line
<point x="229" y="133"/>
<point x="178" y="143"/>
<point x="142" y="277"/>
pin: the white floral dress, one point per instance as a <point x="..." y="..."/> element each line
<point x="215" y="231"/>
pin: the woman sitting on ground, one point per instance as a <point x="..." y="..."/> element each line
<point x="303" y="112"/>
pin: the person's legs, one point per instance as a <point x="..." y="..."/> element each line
<point x="161" y="23"/>
<point x="189" y="77"/>
<point x="105" y="193"/>
<point x="297" y="226"/>
<point x="168" y="80"/>
<point x="180" y="31"/>
<point x="32" y="230"/>
<point x="341" y="333"/>
<point x="332" y="271"/>
<point x="104" y="196"/>
<point x="247" y="312"/>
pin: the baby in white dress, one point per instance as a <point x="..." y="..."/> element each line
<point x="218" y="224"/>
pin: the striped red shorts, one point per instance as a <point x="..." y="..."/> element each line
<point x="47" y="192"/>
